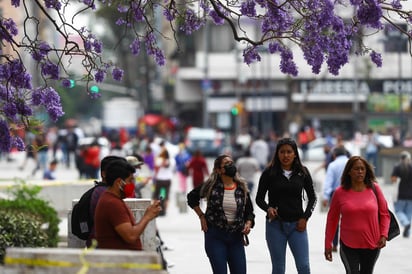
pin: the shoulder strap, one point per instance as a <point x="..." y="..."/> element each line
<point x="377" y="198"/>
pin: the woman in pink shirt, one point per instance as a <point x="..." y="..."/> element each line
<point x="364" y="225"/>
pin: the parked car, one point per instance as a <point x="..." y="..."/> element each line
<point x="208" y="140"/>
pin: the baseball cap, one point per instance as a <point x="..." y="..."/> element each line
<point x="405" y="155"/>
<point x="134" y="161"/>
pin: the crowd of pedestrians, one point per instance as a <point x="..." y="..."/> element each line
<point x="271" y="166"/>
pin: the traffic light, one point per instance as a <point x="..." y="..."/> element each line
<point x="235" y="110"/>
<point x="72" y="83"/>
<point x="94" y="89"/>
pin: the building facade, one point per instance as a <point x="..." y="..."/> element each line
<point x="363" y="96"/>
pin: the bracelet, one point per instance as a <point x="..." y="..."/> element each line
<point x="201" y="215"/>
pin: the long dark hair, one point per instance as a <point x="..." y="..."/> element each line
<point x="275" y="166"/>
<point x="346" y="180"/>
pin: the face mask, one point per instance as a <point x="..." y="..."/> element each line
<point x="121" y="188"/>
<point x="230" y="170"/>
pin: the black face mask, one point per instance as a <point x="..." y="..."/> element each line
<point x="230" y="170"/>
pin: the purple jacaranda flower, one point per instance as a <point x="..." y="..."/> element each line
<point x="376" y="58"/>
<point x="99" y="76"/>
<point x="396" y="4"/>
<point x="18" y="143"/>
<point x="251" y="55"/>
<point x="369" y="13"/>
<point x="5" y="137"/>
<point x="137" y="11"/>
<point x="117" y="74"/>
<point x="53" y="4"/>
<point x="90" y="3"/>
<point x="23" y="108"/>
<point x="135" y="46"/>
<point x="287" y="65"/>
<point x="41" y="51"/>
<point x="50" y="69"/>
<point x="153" y="50"/>
<point x="98" y="46"/>
<point x="15" y="74"/>
<point x="36" y="97"/>
<point x="120" y="22"/>
<point x="67" y="83"/>
<point x="8" y="29"/>
<point x="248" y="8"/>
<point x="50" y="99"/>
<point x="191" y="22"/>
<point x="169" y="14"/>
<point x="122" y="8"/>
<point x="10" y="109"/>
<point x="15" y="3"/>
<point x="217" y="19"/>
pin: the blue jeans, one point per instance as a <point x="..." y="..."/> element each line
<point x="403" y="210"/>
<point x="278" y="235"/>
<point x="372" y="158"/>
<point x="225" y="248"/>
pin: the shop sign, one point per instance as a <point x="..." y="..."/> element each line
<point x="334" y="87"/>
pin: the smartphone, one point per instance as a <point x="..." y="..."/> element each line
<point x="162" y="194"/>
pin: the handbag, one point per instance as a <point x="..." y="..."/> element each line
<point x="394" y="229"/>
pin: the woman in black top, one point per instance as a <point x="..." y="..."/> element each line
<point x="228" y="217"/>
<point x="403" y="204"/>
<point x="285" y="180"/>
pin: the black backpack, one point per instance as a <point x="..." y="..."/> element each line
<point x="81" y="221"/>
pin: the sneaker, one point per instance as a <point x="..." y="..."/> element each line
<point x="406" y="231"/>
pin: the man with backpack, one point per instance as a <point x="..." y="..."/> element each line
<point x="82" y="219"/>
<point x="116" y="227"/>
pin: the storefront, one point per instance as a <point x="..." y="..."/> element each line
<point x="347" y="105"/>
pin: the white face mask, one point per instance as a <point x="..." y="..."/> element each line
<point x="121" y="187"/>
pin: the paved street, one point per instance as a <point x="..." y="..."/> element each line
<point x="181" y="231"/>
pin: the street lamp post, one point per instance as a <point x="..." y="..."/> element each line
<point x="206" y="81"/>
<point x="396" y="42"/>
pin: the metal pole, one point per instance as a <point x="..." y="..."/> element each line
<point x="401" y="123"/>
<point x="205" y="84"/>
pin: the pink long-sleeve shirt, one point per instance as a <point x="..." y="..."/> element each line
<point x="359" y="225"/>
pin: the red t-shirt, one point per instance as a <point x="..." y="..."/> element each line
<point x="112" y="211"/>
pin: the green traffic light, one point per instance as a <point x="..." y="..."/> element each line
<point x="235" y="111"/>
<point x="94" y="89"/>
<point x="72" y="83"/>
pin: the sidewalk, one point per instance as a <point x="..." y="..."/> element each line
<point x="181" y="231"/>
